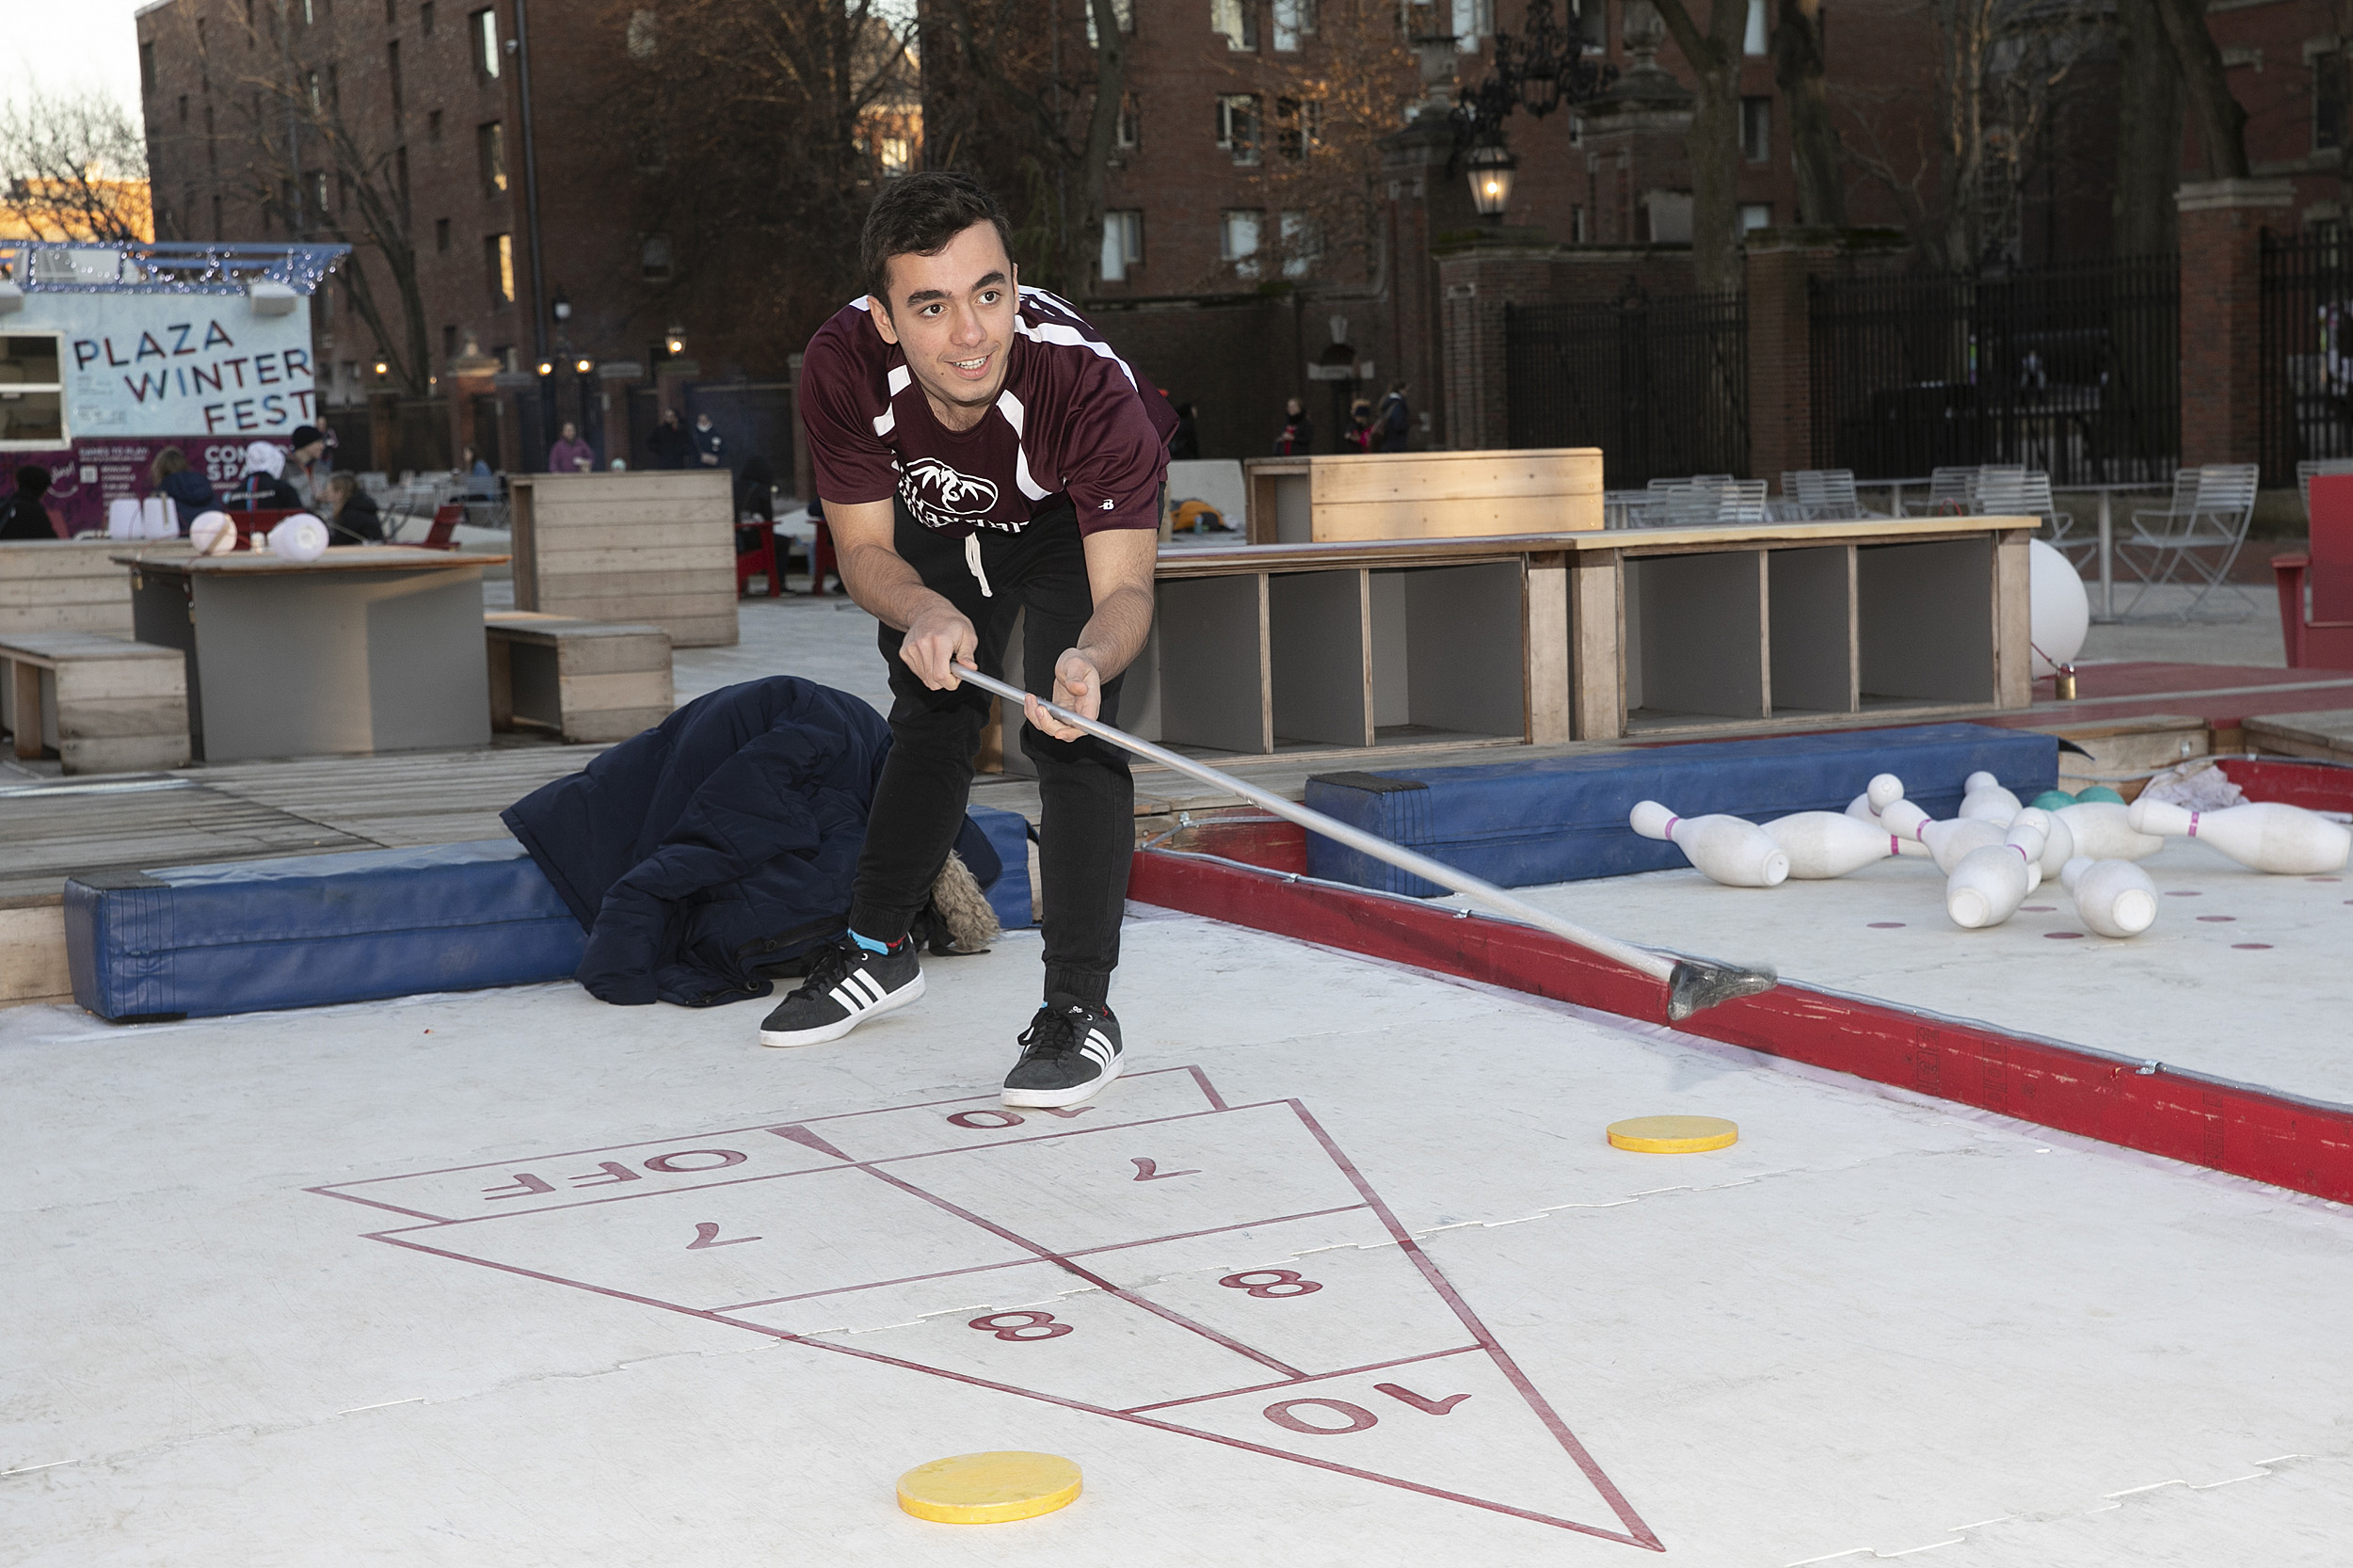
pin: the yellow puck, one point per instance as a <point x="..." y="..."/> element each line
<point x="989" y="1489"/>
<point x="1673" y="1134"/>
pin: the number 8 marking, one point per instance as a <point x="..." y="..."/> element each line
<point x="1270" y="1284"/>
<point x="1016" y="1326"/>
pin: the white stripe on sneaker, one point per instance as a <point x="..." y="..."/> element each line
<point x="848" y="998"/>
<point x="869" y="987"/>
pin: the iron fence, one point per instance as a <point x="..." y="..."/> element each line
<point x="1661" y="386"/>
<point x="2074" y="370"/>
<point x="2306" y="351"/>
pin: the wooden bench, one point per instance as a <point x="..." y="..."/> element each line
<point x="654" y="547"/>
<point x="69" y="584"/>
<point x="585" y="680"/>
<point x="103" y="704"/>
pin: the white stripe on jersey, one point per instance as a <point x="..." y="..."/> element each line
<point x="1010" y="406"/>
<point x="898" y="382"/>
<point x="1066" y="337"/>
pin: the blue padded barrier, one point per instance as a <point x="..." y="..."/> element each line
<point x="197" y="942"/>
<point x="1008" y="834"/>
<point x="1564" y="819"/>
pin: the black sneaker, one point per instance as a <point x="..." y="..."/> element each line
<point x="1069" y="1053"/>
<point x="846" y="985"/>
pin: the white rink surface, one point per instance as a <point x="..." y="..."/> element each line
<point x="1876" y="1325"/>
<point x="2185" y="992"/>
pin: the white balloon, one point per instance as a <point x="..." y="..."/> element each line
<point x="2060" y="611"/>
<point x="212" y="533"/>
<point x="299" y="538"/>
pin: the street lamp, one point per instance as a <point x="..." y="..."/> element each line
<point x="581" y="367"/>
<point x="1491" y="168"/>
<point x="546" y="367"/>
<point x="677" y="342"/>
<point x="1542" y="69"/>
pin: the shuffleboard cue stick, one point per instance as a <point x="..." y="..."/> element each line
<point x="1691" y="983"/>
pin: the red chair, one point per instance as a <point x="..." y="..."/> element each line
<point x="760" y="557"/>
<point x="820" y="561"/>
<point x="443" y="534"/>
<point x="2316" y="590"/>
<point x="260" y="520"/>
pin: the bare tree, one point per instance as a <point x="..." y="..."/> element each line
<point x="75" y="167"/>
<point x="2221" y="121"/>
<point x="1815" y="155"/>
<point x="1713" y="140"/>
<point x="318" y="176"/>
<point x="1320" y="160"/>
<point x="1048" y="82"/>
<point x="763" y="128"/>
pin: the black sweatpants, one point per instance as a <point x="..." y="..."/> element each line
<point x="1088" y="831"/>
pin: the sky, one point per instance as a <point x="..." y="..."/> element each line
<point x="67" y="44"/>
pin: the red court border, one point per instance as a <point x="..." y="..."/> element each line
<point x="2265" y="1135"/>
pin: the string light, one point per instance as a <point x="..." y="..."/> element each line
<point x="175" y="266"/>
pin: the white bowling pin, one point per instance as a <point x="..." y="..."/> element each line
<point x="2029" y="837"/>
<point x="1950" y="840"/>
<point x="1983" y="795"/>
<point x="1734" y="852"/>
<point x="2265" y="835"/>
<point x="2113" y="897"/>
<point x="1987" y="887"/>
<point x="1884" y="791"/>
<point x="2103" y="831"/>
<point x="1829" y="843"/>
<point x="2059" y="842"/>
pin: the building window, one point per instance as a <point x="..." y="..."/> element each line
<point x="1473" y="20"/>
<point x="212" y="146"/>
<point x="449" y="343"/>
<point x="334" y="86"/>
<point x="425" y="18"/>
<point x="1298" y="127"/>
<point x="1757" y="129"/>
<point x="1130" y="123"/>
<point x="311" y="87"/>
<point x="642" y="40"/>
<point x="440" y="233"/>
<point x="1577" y="225"/>
<point x="433" y="125"/>
<point x="1755" y="215"/>
<point x="32" y="397"/>
<point x="1301" y="247"/>
<point x="489" y="142"/>
<point x="653" y="259"/>
<point x="392" y="13"/>
<point x="146" y="75"/>
<point x="1238" y="20"/>
<point x="392" y="71"/>
<point x="317" y="180"/>
<point x="1294" y="20"/>
<point x="1123" y="243"/>
<point x="1753" y="38"/>
<point x="400" y="178"/>
<point x="1123" y="11"/>
<point x="1237" y="126"/>
<point x="1238" y="240"/>
<point x="2331" y="97"/>
<point x="498" y="260"/>
<point x="482" y="28"/>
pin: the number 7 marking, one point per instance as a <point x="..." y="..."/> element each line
<point x="707" y="1235"/>
<point x="1149" y="1170"/>
<point x="1428" y="1407"/>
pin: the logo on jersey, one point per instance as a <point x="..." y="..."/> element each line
<point x="941" y="496"/>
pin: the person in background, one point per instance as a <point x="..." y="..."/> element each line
<point x="264" y="489"/>
<point x="571" y="455"/>
<point x="23" y="516"/>
<point x="310" y="445"/>
<point x="1298" y="432"/>
<point x="1359" y="433"/>
<point x="709" y="447"/>
<point x="350" y="513"/>
<point x="668" y="441"/>
<point x="481" y="482"/>
<point x="1392" y="424"/>
<point x="190" y="491"/>
<point x="1184" y="442"/>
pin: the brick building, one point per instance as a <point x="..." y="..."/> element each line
<point x="458" y="114"/>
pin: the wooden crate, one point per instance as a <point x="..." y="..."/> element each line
<point x="69" y="584"/>
<point x="103" y="704"/>
<point x="586" y="681"/>
<point x="1425" y="495"/>
<point x="656" y="548"/>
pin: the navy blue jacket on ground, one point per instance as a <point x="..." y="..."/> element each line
<point x="718" y="844"/>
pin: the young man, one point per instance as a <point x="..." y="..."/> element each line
<point x="983" y="453"/>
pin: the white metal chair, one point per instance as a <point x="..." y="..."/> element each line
<point x="1951" y="493"/>
<point x="1819" y="495"/>
<point x="1710" y="499"/>
<point x="2199" y="533"/>
<point x="2027" y="493"/>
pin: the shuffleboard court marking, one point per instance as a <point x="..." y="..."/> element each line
<point x="1364" y="1331"/>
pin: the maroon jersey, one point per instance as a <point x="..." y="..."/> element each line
<point x="1071" y="419"/>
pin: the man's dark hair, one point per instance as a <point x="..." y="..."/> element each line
<point x="918" y="216"/>
<point x="32" y="480"/>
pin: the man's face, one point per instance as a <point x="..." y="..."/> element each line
<point x="953" y="316"/>
<point x="308" y="452"/>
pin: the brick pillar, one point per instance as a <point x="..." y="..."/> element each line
<point x="1479" y="276"/>
<point x="1780" y="366"/>
<point x="2221" y="226"/>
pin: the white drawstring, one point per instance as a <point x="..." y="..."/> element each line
<point x="972" y="561"/>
